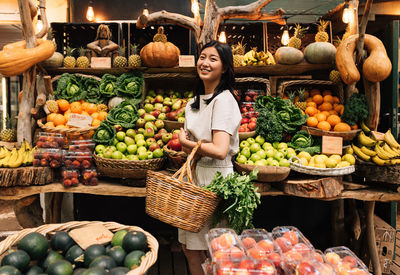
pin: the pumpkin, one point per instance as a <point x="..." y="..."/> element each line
<point x="16" y="59"/>
<point x="376" y="67"/>
<point x="54" y="61"/>
<point x="288" y="56"/>
<point x="160" y="54"/>
<point x="320" y="53"/>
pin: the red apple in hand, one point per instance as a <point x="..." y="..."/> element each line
<point x="175" y="145"/>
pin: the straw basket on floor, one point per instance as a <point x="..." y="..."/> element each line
<point x="179" y="203"/>
<point x="149" y="259"/>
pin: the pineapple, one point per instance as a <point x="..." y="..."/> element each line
<point x="134" y="58"/>
<point x="102" y="108"/>
<point x="322" y="35"/>
<point x="52" y="106"/>
<point x="295" y="41"/>
<point x="51" y="37"/>
<point x="292" y="96"/>
<point x="238" y="52"/>
<point x="301" y="104"/>
<point x="82" y="61"/>
<point x="120" y="60"/>
<point x="69" y="60"/>
<point x="160" y="36"/>
<point x="334" y="76"/>
<point x="8" y="134"/>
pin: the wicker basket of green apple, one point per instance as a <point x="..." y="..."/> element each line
<point x="271" y="159"/>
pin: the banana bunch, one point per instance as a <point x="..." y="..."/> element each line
<point x="386" y="152"/>
<point x="254" y="58"/>
<point x="16" y="157"/>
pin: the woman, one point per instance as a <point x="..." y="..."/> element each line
<point x="213" y="117"/>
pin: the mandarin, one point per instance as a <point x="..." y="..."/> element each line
<point x="96" y="122"/>
<point x="91" y="108"/>
<point x="311" y="111"/>
<point x="326" y="113"/>
<point x="312" y="104"/>
<point x="312" y="121"/>
<point x="76" y="107"/>
<point x="95" y="115"/>
<point x="332" y="112"/>
<point x="339" y="109"/>
<point x="342" y="127"/>
<point x="333" y="120"/>
<point x="320" y="117"/>
<point x="336" y="100"/>
<point x="102" y="115"/>
<point x="51" y="116"/>
<point x="324" y="125"/>
<point x="59" y="119"/>
<point x="318" y="99"/>
<point x="328" y="98"/>
<point x="63" y="105"/>
<point x="326" y="106"/>
<point x="84" y="105"/>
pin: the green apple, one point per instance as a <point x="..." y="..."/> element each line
<point x="158" y="153"/>
<point x="124" y="157"/>
<point x="149" y="155"/>
<point x="115" y="141"/>
<point x="108" y="154"/>
<point x="255" y="147"/>
<point x="140" y="130"/>
<point x="141" y="143"/>
<point x="162" y="116"/>
<point x="284" y="163"/>
<point x="160" y="143"/>
<point x="181" y="119"/>
<point x="266" y="146"/>
<point x="141" y="112"/>
<point x="142" y="155"/>
<point x="255" y="157"/>
<point x="100" y="155"/>
<point x="121" y="146"/>
<point x="270" y="152"/>
<point x="150" y="141"/>
<point x="117" y="155"/>
<point x="290" y="153"/>
<point x="260" y="140"/>
<point x="278" y="155"/>
<point x="241" y="159"/>
<point x="261" y="153"/>
<point x="100" y="148"/>
<point x="132" y="149"/>
<point x="249" y="162"/>
<point x="274" y="163"/>
<point x="283" y="151"/>
<point x="246" y="152"/>
<point x="139" y="137"/>
<point x="135" y="157"/>
<point x="131" y="133"/>
<point x="259" y="163"/>
<point x="148" y="107"/>
<point x="264" y="162"/>
<point x="158" y="105"/>
<point x="244" y="143"/>
<point x="275" y="144"/>
<point x="269" y="160"/>
<point x="141" y="149"/>
<point x="130" y="157"/>
<point x="251" y="140"/>
<point x="129" y="141"/>
<point x="282" y="145"/>
<point x="121" y="136"/>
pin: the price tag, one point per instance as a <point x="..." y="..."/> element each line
<point x="186" y="61"/>
<point x="80" y="121"/>
<point x="378" y="135"/>
<point x="100" y="62"/>
<point x="332" y="145"/>
<point x="92" y="234"/>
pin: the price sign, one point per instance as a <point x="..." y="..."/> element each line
<point x="332" y="145"/>
<point x="92" y="234"/>
<point x="100" y="62"/>
<point x="80" y="121"/>
<point x="186" y="61"/>
<point x="378" y="135"/>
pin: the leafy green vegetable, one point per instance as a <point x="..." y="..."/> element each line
<point x="268" y="126"/>
<point x="130" y="85"/>
<point x="92" y="88"/>
<point x="105" y="134"/>
<point x="303" y="141"/>
<point x="68" y="87"/>
<point x="125" y="114"/>
<point x="108" y="85"/>
<point x="240" y="199"/>
<point x="356" y="109"/>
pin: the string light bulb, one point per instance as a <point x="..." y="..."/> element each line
<point x="195" y="7"/>
<point x="39" y="24"/>
<point x="145" y="10"/>
<point x="347" y="14"/>
<point x="90" y="12"/>
<point x="285" y="36"/>
<point x="222" y="35"/>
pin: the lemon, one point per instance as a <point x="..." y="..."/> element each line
<point x="331" y="163"/>
<point x="304" y="155"/>
<point x="304" y="161"/>
<point x="319" y="159"/>
<point x="349" y="150"/>
<point x="343" y="164"/>
<point x="349" y="158"/>
<point x="325" y="157"/>
<point x="320" y="165"/>
<point x="337" y="158"/>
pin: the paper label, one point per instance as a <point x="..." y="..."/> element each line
<point x="80" y="121"/>
<point x="92" y="234"/>
<point x="378" y="135"/>
<point x="332" y="145"/>
<point x="100" y="62"/>
<point x="186" y="61"/>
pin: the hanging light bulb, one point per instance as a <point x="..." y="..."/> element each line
<point x="90" y="12"/>
<point x="285" y="36"/>
<point x="347" y="14"/>
<point x="145" y="10"/>
<point x="222" y="35"/>
<point x="39" y="25"/>
<point x="195" y="7"/>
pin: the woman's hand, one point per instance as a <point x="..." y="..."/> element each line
<point x="183" y="136"/>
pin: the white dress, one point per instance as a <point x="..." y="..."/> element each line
<point x="222" y="113"/>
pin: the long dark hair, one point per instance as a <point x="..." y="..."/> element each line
<point x="227" y="79"/>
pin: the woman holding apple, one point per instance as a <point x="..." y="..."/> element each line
<point x="212" y="116"/>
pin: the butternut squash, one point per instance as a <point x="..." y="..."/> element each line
<point x="16" y="59"/>
<point x="376" y="67"/>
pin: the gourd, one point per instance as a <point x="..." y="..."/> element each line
<point x="16" y="59"/>
<point x="54" y="61"/>
<point x="288" y="56"/>
<point x="377" y="66"/>
<point x="160" y="54"/>
<point x="320" y="53"/>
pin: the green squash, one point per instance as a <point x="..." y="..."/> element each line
<point x="320" y="53"/>
<point x="288" y="56"/>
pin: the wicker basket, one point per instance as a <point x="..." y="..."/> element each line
<point x="348" y="135"/>
<point x="87" y="131"/>
<point x="265" y="173"/>
<point x="149" y="259"/>
<point x="337" y="88"/>
<point x="122" y="168"/>
<point x="179" y="203"/>
<point x="260" y="80"/>
<point x="177" y="158"/>
<point x="320" y="171"/>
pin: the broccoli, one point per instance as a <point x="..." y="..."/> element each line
<point x="355" y="110"/>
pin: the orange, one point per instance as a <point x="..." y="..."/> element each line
<point x="354" y="127"/>
<point x="311" y="111"/>
<point x="59" y="119"/>
<point x="342" y="127"/>
<point x="67" y="115"/>
<point x="336" y="100"/>
<point x="84" y="105"/>
<point x="102" y="115"/>
<point x="326" y="106"/>
<point x="96" y="122"/>
<point x="333" y="120"/>
<point x="51" y="116"/>
<point x="312" y="121"/>
<point x="315" y="92"/>
<point x="84" y="113"/>
<point x="328" y="98"/>
<point x="324" y="125"/>
<point x="49" y="124"/>
<point x="339" y="109"/>
<point x="312" y="104"/>
<point x="91" y="108"/>
<point x="76" y="107"/>
<point x="326" y="92"/>
<point x="332" y="112"/>
<point x="320" y="117"/>
<point x="318" y="99"/>
<point x="63" y="105"/>
<point x="95" y="115"/>
<point x="326" y="113"/>
<point x="309" y="99"/>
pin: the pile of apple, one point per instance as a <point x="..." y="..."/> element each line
<point x="255" y="151"/>
<point x="249" y="117"/>
<point x="166" y="105"/>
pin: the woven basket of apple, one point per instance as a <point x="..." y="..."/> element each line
<point x="272" y="160"/>
<point x="323" y="102"/>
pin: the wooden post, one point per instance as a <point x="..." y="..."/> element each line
<point x="28" y="211"/>
<point x="373" y="252"/>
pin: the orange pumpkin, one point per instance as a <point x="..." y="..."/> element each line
<point x="160" y="54"/>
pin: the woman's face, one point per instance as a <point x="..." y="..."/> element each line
<point x="209" y="65"/>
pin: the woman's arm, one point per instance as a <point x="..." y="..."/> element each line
<point x="217" y="149"/>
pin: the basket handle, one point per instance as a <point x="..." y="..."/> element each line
<point x="186" y="169"/>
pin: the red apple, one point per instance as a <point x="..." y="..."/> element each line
<point x="175" y="145"/>
<point x="244" y="120"/>
<point x="305" y="268"/>
<point x="253" y="119"/>
<point x="265" y="268"/>
<point x="252" y="125"/>
<point x="247" y="98"/>
<point x="175" y="136"/>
